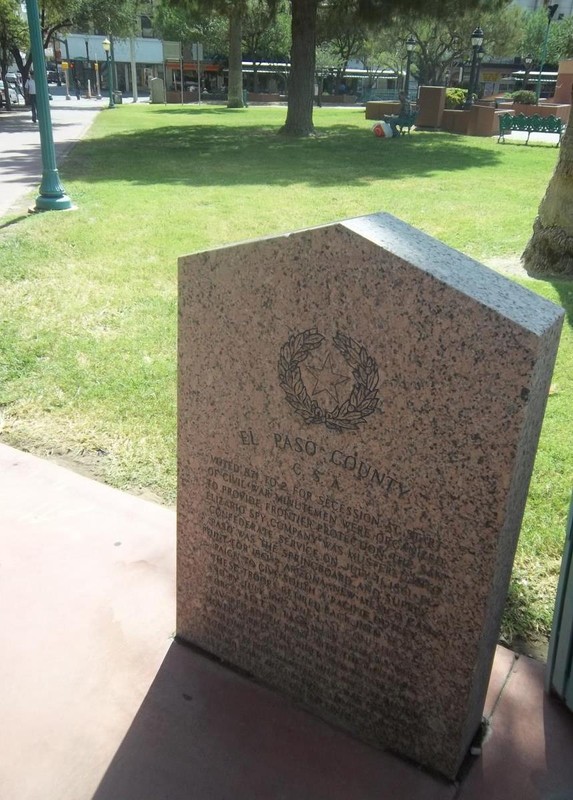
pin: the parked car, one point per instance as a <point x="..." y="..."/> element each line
<point x="14" y="95"/>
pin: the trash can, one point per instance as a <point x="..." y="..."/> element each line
<point x="117" y="98"/>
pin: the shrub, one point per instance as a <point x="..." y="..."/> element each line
<point x="525" y="97"/>
<point x="455" y="98"/>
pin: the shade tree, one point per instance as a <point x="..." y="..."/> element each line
<point x="299" y="120"/>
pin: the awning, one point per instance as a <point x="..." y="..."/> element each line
<point x="191" y="66"/>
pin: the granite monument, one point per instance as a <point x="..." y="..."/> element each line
<point x="359" y="411"/>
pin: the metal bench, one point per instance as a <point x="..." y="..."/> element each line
<point x="403" y="124"/>
<point x="529" y="125"/>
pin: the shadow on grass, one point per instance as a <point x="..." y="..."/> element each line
<point x="13" y="221"/>
<point x="210" y="154"/>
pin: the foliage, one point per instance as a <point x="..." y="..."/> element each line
<point x="341" y="34"/>
<point x="13" y="35"/>
<point x="524" y="97"/>
<point x="559" y="42"/>
<point x="257" y="13"/>
<point x="373" y="12"/>
<point x="441" y="43"/>
<point x="266" y="32"/>
<point x="188" y="25"/>
<point x="455" y="97"/>
<point x="116" y="17"/>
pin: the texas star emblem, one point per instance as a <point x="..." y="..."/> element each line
<point x="328" y="381"/>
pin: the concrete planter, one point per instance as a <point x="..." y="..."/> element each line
<point x="455" y="120"/>
<point x="338" y="99"/>
<point x="560" y="110"/>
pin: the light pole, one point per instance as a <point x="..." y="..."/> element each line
<point x="528" y="61"/>
<point x="52" y="196"/>
<point x="410" y="45"/>
<point x="479" y="59"/>
<point x="106" y="44"/>
<point x="98" y="87"/>
<point x="67" y="63"/>
<point x="477" y="41"/>
<point x="89" y="70"/>
<point x="550" y="14"/>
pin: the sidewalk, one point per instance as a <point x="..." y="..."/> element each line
<point x="98" y="702"/>
<point x="20" y="153"/>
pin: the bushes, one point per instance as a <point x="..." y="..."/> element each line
<point x="455" y="98"/>
<point x="525" y="97"/>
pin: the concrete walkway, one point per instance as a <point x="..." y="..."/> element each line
<point x="97" y="701"/>
<point x="20" y="153"/>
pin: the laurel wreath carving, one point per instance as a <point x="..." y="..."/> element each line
<point x="363" y="399"/>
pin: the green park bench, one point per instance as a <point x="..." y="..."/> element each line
<point x="406" y="122"/>
<point x="529" y="125"/>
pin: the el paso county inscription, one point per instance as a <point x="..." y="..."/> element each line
<point x="359" y="468"/>
<point x="286" y="546"/>
<point x="299" y="578"/>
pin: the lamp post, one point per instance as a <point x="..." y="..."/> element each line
<point x="66" y="68"/>
<point x="98" y="87"/>
<point x="52" y="196"/>
<point x="550" y="14"/>
<point x="410" y="45"/>
<point x="528" y="61"/>
<point x="477" y="41"/>
<point x="106" y="44"/>
<point x="88" y="68"/>
<point x="479" y="59"/>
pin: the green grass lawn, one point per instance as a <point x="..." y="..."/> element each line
<point x="87" y="346"/>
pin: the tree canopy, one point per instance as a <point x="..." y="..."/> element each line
<point x="534" y="29"/>
<point x="118" y="17"/>
<point x="369" y="12"/>
<point x="441" y="43"/>
<point x="13" y="36"/>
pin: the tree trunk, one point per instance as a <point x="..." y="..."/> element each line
<point x="301" y="82"/>
<point x="550" y="249"/>
<point x="3" y="71"/>
<point x="235" y="91"/>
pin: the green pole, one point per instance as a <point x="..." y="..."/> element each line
<point x="52" y="196"/>
<point x="543" y="57"/>
<point x="551" y="11"/>
<point x="108" y="47"/>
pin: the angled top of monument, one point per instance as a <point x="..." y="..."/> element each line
<point x="359" y="411"/>
<point x="458" y="271"/>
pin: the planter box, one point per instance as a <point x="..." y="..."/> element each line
<point x="376" y="109"/>
<point x="480" y="120"/>
<point x="264" y="97"/>
<point x="175" y="97"/>
<point x="431" y="106"/>
<point x="559" y="110"/>
<point x="338" y="99"/>
<point x="455" y="120"/>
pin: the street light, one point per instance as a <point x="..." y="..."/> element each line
<point x="106" y="44"/>
<point x="88" y="69"/>
<point x="477" y="41"/>
<point x="550" y="14"/>
<point x="98" y="87"/>
<point x="528" y="61"/>
<point x="410" y="45"/>
<point x="52" y="196"/>
<point x="479" y="58"/>
<point x="67" y="62"/>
